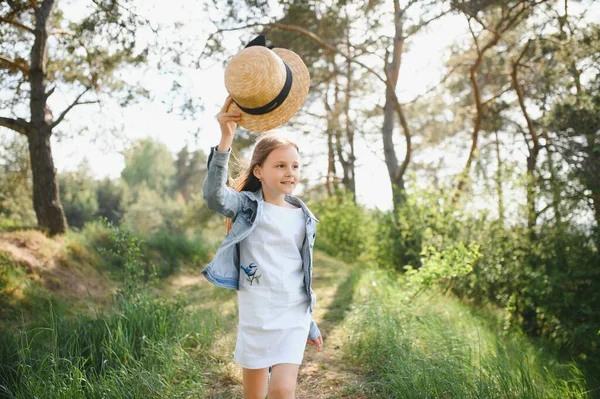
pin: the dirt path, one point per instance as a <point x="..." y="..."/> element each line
<point x="323" y="375"/>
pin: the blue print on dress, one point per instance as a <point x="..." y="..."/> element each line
<point x="251" y="272"/>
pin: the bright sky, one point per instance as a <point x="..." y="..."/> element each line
<point x="420" y="69"/>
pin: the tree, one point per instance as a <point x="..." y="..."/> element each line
<point x="41" y="52"/>
<point x="15" y="181"/>
<point x="495" y="20"/>
<point x="150" y="164"/>
<point x="190" y="170"/>
<point x="78" y="195"/>
<point x="109" y="195"/>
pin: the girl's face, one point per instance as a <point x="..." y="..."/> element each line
<point x="280" y="172"/>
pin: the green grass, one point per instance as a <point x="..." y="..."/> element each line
<point x="437" y="348"/>
<point x="145" y="347"/>
<point x="139" y="345"/>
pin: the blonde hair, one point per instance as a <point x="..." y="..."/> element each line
<point x="247" y="181"/>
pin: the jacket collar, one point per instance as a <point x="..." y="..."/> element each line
<point x="258" y="196"/>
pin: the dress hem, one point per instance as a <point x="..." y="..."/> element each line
<point x="253" y="367"/>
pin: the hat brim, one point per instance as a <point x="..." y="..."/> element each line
<point x="292" y="103"/>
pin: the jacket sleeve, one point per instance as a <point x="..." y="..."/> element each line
<point x="217" y="195"/>
<point x="313" y="332"/>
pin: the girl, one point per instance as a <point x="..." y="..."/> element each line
<point x="267" y="257"/>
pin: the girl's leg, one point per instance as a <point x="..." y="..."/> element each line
<point x="283" y="381"/>
<point x="255" y="383"/>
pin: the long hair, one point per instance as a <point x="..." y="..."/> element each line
<point x="246" y="181"/>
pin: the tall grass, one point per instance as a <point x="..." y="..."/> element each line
<point x="437" y="348"/>
<point x="145" y="348"/>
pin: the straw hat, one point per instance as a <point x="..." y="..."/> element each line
<point x="268" y="85"/>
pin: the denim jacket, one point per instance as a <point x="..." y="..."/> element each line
<point x="245" y="210"/>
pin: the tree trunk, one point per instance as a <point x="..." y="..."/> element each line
<point x="338" y="129"/>
<point x="46" y="201"/>
<point x="392" y="69"/>
<point x="499" y="181"/>
<point x="331" y="178"/>
<point x="351" y="183"/>
<point x="554" y="187"/>
<point x="531" y="215"/>
<point x="533" y="151"/>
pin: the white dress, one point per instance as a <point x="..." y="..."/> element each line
<point x="273" y="306"/>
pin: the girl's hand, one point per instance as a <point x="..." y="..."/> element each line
<point x="318" y="342"/>
<point x="228" y="119"/>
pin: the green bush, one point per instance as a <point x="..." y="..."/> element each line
<point x="345" y="228"/>
<point x="549" y="286"/>
<point x="424" y="219"/>
<point x="175" y="249"/>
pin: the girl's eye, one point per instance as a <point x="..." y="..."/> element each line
<point x="296" y="167"/>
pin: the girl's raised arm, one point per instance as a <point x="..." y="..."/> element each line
<point x="218" y="196"/>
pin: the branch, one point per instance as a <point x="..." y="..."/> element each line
<point x="417" y="27"/>
<point x="15" y="65"/>
<point x="18" y="125"/>
<point x="17" y="25"/>
<point x="61" y="32"/>
<point x="435" y="86"/>
<point x="521" y="97"/>
<point x="474" y="36"/>
<point x="494" y="98"/>
<point x="326" y="45"/>
<point x="302" y="31"/>
<point x="76" y="102"/>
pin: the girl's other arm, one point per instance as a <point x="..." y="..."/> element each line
<point x="314" y="336"/>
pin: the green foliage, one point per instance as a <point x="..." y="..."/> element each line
<point x="436" y="348"/>
<point x="124" y="249"/>
<point x="10" y="274"/>
<point x="15" y="181"/>
<point x="109" y="195"/>
<point x="140" y="349"/>
<point x="136" y="258"/>
<point x="78" y="195"/>
<point x="150" y="164"/>
<point x="578" y="118"/>
<point x="345" y="228"/>
<point x="175" y="250"/>
<point x="442" y="268"/>
<point x="548" y="287"/>
<point x="424" y="219"/>
<point x="152" y="212"/>
<point x="190" y="172"/>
